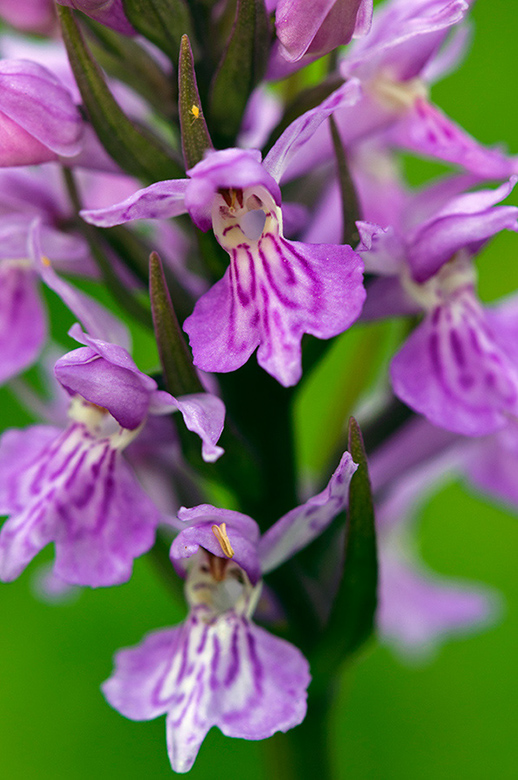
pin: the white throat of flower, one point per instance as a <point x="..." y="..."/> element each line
<point x="453" y="277"/>
<point x="243" y="217"/>
<point x="100" y="423"/>
<point x="395" y="95"/>
<point x="220" y="585"/>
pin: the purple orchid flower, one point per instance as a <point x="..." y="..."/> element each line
<point x="455" y="368"/>
<point x="73" y="487"/>
<point x="38" y="118"/>
<point x="218" y="668"/>
<point x="320" y="29"/>
<point x="275" y="290"/>
<point x="394" y="65"/>
<point x="108" y="12"/>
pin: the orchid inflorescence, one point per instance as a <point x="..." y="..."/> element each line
<point x="275" y="214"/>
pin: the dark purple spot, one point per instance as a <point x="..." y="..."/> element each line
<point x="466" y="381"/>
<point x="457" y="348"/>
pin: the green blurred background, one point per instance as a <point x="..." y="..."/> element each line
<point x="454" y="717"/>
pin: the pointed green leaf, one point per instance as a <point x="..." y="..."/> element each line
<point x="351" y="621"/>
<point x="241" y="68"/>
<point x="161" y="21"/>
<point x="195" y="136"/>
<point x="350" y="205"/>
<point x="139" y="152"/>
<point x="179" y="373"/>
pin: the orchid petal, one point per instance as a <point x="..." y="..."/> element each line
<point x="79" y="493"/>
<point x="270" y="297"/>
<point x="300" y="526"/>
<point x="196" y="531"/>
<point x="453" y="371"/>
<point x="418" y="610"/>
<point x="204" y="414"/>
<point x="426" y="130"/>
<point x="158" y="201"/>
<point x="23" y="323"/>
<point x="329" y="24"/>
<point x="227" y="673"/>
<point x="36" y="101"/>
<point x="301" y="130"/>
<point x="225" y="169"/>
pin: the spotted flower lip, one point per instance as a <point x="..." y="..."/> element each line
<point x="72" y="488"/>
<point x="218" y="668"/>
<point x="275" y="290"/>
<point x="229" y="673"/>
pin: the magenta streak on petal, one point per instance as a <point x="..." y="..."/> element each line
<point x="184" y="663"/>
<point x="195" y="692"/>
<point x="229" y="228"/>
<point x="251" y="268"/>
<point x="84" y="498"/>
<point x="287" y="302"/>
<point x="306" y="268"/>
<point x="203" y="640"/>
<point x="244" y="298"/>
<point x="216" y="651"/>
<point x="265" y="320"/>
<point x="46" y="457"/>
<point x="233" y="667"/>
<point x="257" y="667"/>
<point x="232" y="312"/>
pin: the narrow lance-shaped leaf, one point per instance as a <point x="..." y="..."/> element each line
<point x="350" y="205"/>
<point x="195" y="136"/>
<point x="240" y="70"/>
<point x="179" y="373"/>
<point x="141" y="155"/>
<point x="161" y="21"/>
<point x="351" y="621"/>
